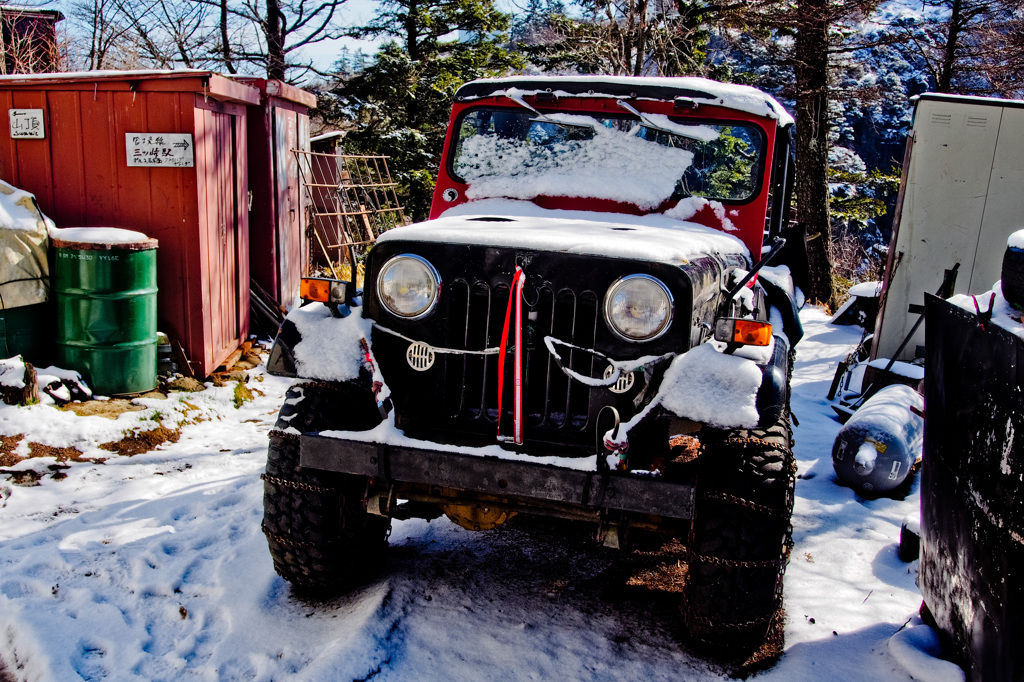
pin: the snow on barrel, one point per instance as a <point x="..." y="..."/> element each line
<point x="876" y="448"/>
<point x="105" y="283"/>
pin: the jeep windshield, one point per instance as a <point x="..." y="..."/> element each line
<point x="520" y="155"/>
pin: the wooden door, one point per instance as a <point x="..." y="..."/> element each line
<point x="288" y="128"/>
<point x="223" y="228"/>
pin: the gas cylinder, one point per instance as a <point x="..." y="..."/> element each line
<point x="876" y="448"/>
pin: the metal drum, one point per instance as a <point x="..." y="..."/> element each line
<point x="105" y="285"/>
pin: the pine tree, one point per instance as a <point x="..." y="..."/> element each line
<point x="398" y="105"/>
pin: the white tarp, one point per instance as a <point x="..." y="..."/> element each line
<point x="24" y="268"/>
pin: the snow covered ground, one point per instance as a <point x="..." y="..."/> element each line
<point x="154" y="567"/>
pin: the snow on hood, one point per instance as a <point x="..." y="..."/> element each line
<point x="520" y="224"/>
<point x="739" y="97"/>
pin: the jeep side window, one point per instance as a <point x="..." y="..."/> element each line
<point x="726" y="167"/>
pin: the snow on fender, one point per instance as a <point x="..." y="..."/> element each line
<point x="876" y="448"/>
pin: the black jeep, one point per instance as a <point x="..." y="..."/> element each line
<point x="584" y="329"/>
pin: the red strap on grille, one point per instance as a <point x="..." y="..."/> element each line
<point x="515" y="294"/>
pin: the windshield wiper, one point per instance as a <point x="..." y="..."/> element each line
<point x="651" y="125"/>
<point x="544" y="118"/>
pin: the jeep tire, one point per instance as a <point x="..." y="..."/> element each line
<point x="740" y="538"/>
<point x="320" y="536"/>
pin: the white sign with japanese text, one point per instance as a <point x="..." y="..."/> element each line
<point x="160" y="149"/>
<point x="27" y="123"/>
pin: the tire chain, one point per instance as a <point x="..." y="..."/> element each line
<point x="707" y="622"/>
<point x="754" y="506"/>
<point x="764" y="446"/>
<point x="761" y="444"/>
<point x="289" y="542"/>
<point x="297" y="485"/>
<point x="784" y="512"/>
<point x="283" y="435"/>
<point x="736" y="563"/>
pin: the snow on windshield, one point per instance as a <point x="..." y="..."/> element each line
<point x="553" y="160"/>
<point x="520" y="155"/>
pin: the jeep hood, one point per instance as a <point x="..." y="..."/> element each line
<point x="513" y="224"/>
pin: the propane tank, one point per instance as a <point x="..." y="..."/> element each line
<point x="876" y="448"/>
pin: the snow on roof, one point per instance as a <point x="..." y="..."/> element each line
<point x="966" y="99"/>
<point x="521" y="224"/>
<point x="107" y="74"/>
<point x="739" y="97"/>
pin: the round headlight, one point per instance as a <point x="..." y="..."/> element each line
<point x="638" y="308"/>
<point x="408" y="286"/>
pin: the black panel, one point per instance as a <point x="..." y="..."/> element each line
<point x="972" y="531"/>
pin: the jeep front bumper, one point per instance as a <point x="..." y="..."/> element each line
<point x="414" y="472"/>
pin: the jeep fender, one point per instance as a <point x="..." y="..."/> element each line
<point x="779" y="298"/>
<point x="773" y="395"/>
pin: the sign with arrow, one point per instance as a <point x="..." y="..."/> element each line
<point x="160" y="149"/>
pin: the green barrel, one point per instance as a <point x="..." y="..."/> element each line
<point x="105" y="287"/>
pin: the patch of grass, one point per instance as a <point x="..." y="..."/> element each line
<point x="242" y="395"/>
<point x="68" y="454"/>
<point x="8" y="444"/>
<point x="138" y="442"/>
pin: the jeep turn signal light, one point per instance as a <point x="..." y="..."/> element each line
<point x="743" y="332"/>
<point x="322" y="289"/>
